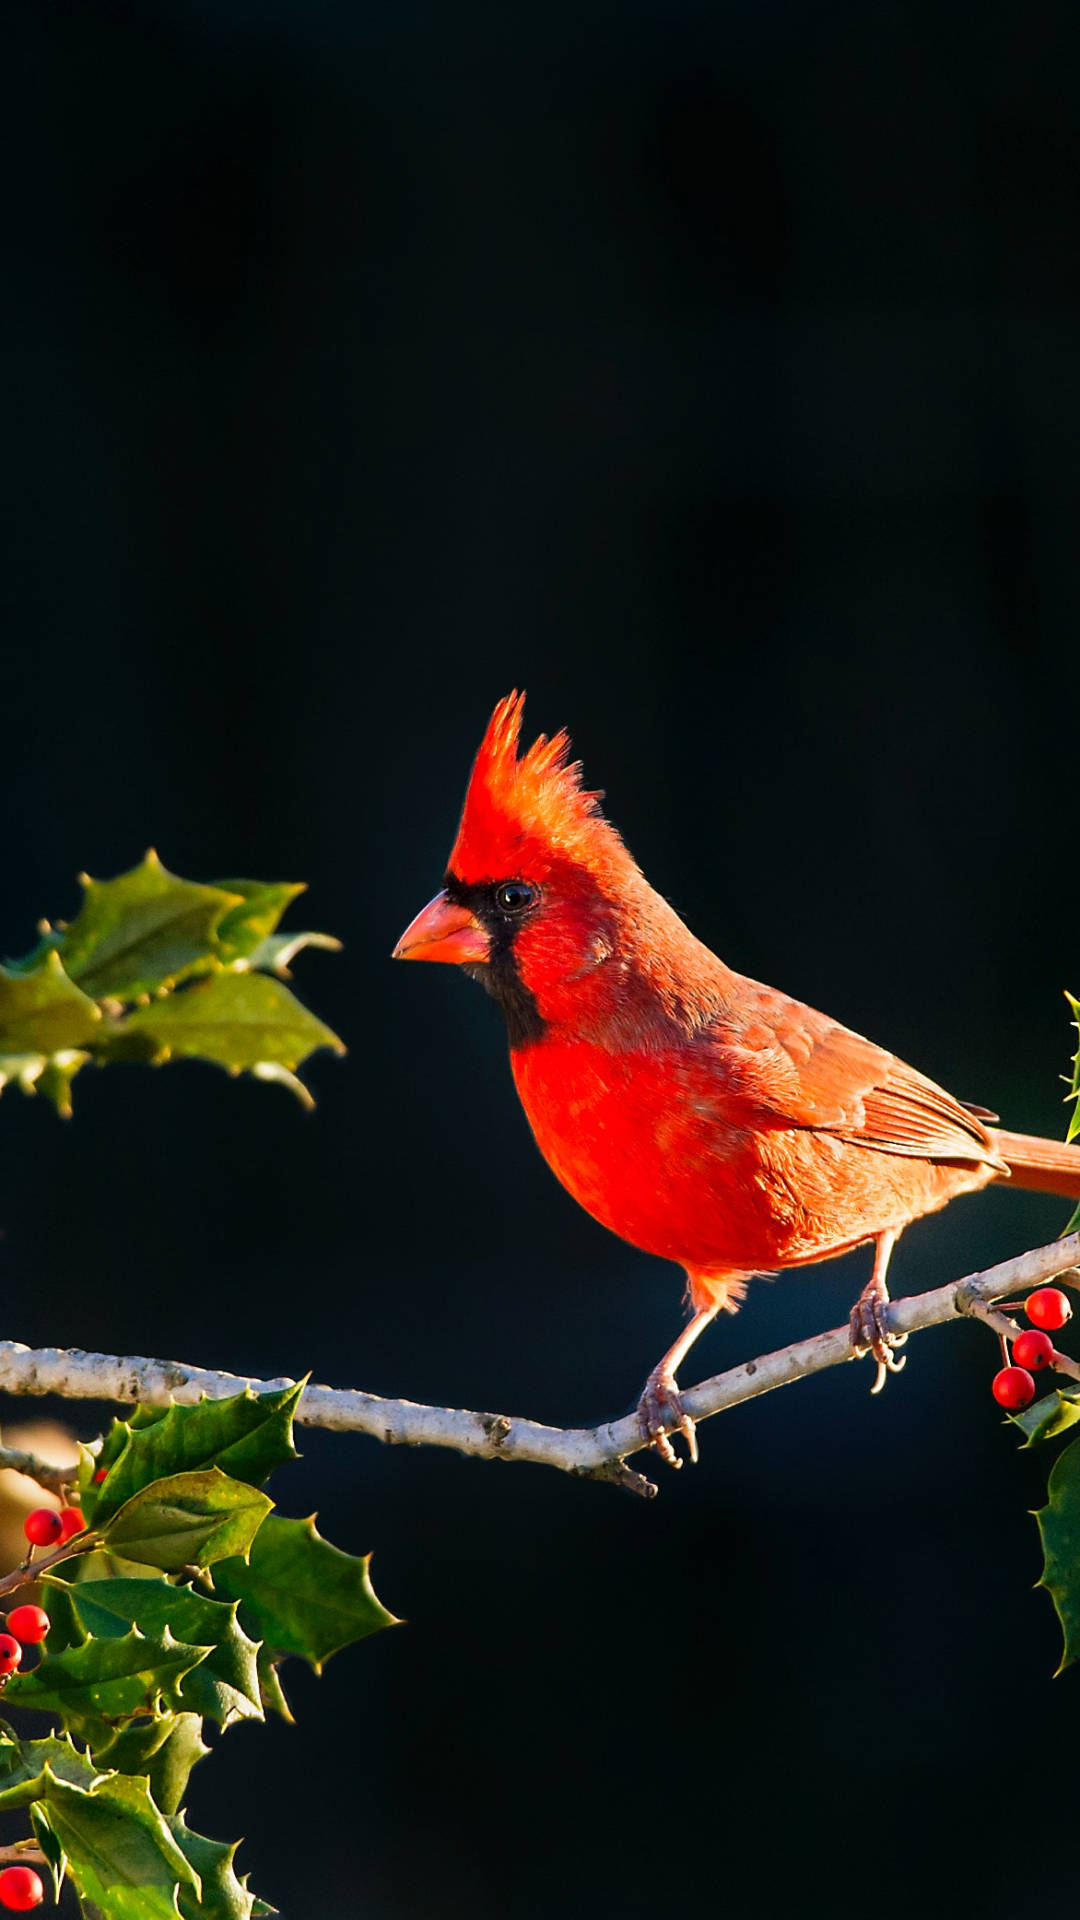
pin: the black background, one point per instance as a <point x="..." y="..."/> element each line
<point x="712" y="372"/>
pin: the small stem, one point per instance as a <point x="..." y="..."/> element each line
<point x="1007" y="1329"/>
<point x="21" y="1851"/>
<point x="22" y="1575"/>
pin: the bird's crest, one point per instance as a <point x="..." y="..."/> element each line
<point x="521" y="813"/>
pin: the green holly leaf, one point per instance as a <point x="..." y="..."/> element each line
<point x="145" y="930"/>
<point x="171" y="1765"/>
<point x="243" y="1021"/>
<point x="259" y="908"/>
<point x="1059" y="1528"/>
<point x="55" y="1857"/>
<point x="223" y="1897"/>
<point x="1048" y="1417"/>
<point x="271" y="1690"/>
<point x="122" y="1857"/>
<point x="300" y="1594"/>
<point x="246" y="1435"/>
<point x="274" y="954"/>
<point x="23" y="1765"/>
<point x="43" y="1011"/>
<point x="56" y="1078"/>
<point x="188" y="1519"/>
<point x="107" y="1679"/>
<point x="131" y="1747"/>
<point x="224" y="1686"/>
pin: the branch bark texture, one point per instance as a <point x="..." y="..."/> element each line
<point x="596" y="1452"/>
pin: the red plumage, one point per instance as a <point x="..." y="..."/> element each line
<point x="700" y="1115"/>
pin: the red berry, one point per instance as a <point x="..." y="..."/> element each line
<point x="1033" y="1350"/>
<point x="1048" y="1307"/>
<point x="71" y="1522"/>
<point x="20" y="1889"/>
<point x="28" y="1624"/>
<point x="43" y="1527"/>
<point x="10" y="1653"/>
<point x="102" y="1473"/>
<point x="1013" y="1388"/>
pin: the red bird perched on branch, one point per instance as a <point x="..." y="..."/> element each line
<point x="704" y="1117"/>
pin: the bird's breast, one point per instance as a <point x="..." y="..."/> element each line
<point x="650" y="1144"/>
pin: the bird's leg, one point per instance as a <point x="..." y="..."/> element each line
<point x="660" y="1410"/>
<point x="870" y="1332"/>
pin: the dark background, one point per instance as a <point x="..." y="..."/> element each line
<point x="712" y="372"/>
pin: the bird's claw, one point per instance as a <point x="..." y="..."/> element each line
<point x="871" y="1333"/>
<point x="661" y="1413"/>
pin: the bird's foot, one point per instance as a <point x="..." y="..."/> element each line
<point x="871" y="1333"/>
<point x="661" y="1413"/>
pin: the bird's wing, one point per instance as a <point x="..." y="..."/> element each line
<point x="797" y="1068"/>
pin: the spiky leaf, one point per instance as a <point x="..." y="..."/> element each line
<point x="59" y="1072"/>
<point x="224" y="1686"/>
<point x="273" y="954"/>
<point x="254" y="918"/>
<point x="44" y="1011"/>
<point x="171" y="1765"/>
<point x="23" y="1766"/>
<point x="270" y="1687"/>
<point x="240" y="1020"/>
<point x="246" y="1435"/>
<point x="300" y="1594"/>
<point x="107" y="1679"/>
<point x="121" y="1855"/>
<point x="188" y="1519"/>
<point x="144" y="930"/>
<point x="55" y="1857"/>
<point x="223" y="1896"/>
<point x="1048" y="1416"/>
<point x="1059" y="1528"/>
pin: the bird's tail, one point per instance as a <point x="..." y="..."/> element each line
<point x="1048" y="1166"/>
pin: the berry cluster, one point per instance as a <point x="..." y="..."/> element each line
<point x="27" y="1626"/>
<point x="1047" y="1309"/>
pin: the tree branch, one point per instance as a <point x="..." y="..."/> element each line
<point x="596" y="1453"/>
<point x="55" y="1479"/>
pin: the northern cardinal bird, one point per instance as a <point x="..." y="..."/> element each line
<point x="704" y="1117"/>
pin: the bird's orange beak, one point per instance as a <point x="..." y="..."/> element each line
<point x="443" y="931"/>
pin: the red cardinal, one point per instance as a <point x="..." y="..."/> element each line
<point x="704" y="1117"/>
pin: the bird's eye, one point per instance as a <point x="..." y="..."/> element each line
<point x="513" y="896"/>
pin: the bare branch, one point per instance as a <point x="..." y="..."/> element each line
<point x="54" y="1479"/>
<point x="595" y="1453"/>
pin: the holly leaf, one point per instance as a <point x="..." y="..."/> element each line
<point x="44" y="1010"/>
<point x="273" y="954"/>
<point x="243" y="1021"/>
<point x="255" y="916"/>
<point x="145" y="930"/>
<point x="246" y="1435"/>
<point x="270" y="1687"/>
<point x="131" y="1747"/>
<point x="57" y="1075"/>
<point x="23" y="1764"/>
<point x="300" y="1594"/>
<point x="1048" y="1417"/>
<point x="107" y="1679"/>
<point x="188" y="1519"/>
<point x="171" y="1765"/>
<point x="55" y="1857"/>
<point x="223" y="1687"/>
<point x="223" y="1897"/>
<point x="1059" y="1528"/>
<point x="122" y="1857"/>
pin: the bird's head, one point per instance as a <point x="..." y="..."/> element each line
<point x="536" y="890"/>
